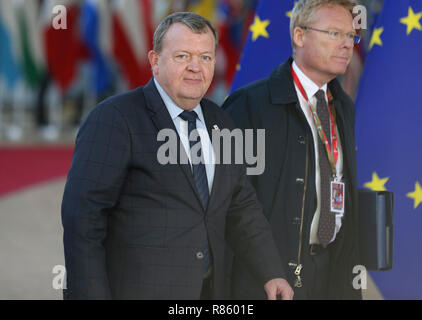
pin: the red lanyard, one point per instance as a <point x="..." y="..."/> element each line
<point x="323" y="137"/>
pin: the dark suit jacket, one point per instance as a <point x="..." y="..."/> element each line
<point x="285" y="188"/>
<point x="135" y="229"/>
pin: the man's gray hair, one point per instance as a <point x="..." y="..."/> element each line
<point x="304" y="10"/>
<point x="195" y="22"/>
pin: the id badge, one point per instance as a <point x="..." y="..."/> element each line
<point x="337" y="197"/>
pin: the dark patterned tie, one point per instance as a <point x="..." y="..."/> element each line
<point x="199" y="172"/>
<point x="327" y="220"/>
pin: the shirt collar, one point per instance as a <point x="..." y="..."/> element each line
<point x="310" y="87"/>
<point x="173" y="108"/>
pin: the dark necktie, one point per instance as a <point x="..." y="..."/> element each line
<point x="200" y="178"/>
<point x="199" y="172"/>
<point x="327" y="220"/>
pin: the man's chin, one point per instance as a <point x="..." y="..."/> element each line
<point x="189" y="102"/>
<point x="193" y="96"/>
<point x="339" y="70"/>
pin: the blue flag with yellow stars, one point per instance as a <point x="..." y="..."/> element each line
<point x="389" y="137"/>
<point x="268" y="42"/>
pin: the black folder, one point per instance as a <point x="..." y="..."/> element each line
<point x="376" y="211"/>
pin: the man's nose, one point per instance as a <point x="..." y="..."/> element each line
<point x="194" y="65"/>
<point x="347" y="43"/>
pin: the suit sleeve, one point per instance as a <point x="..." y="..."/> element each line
<point x="98" y="170"/>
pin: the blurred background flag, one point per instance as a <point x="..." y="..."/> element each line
<point x="9" y="64"/>
<point x="32" y="53"/>
<point x="205" y="8"/>
<point x="132" y="32"/>
<point x="233" y="21"/>
<point x="268" y="42"/>
<point x="389" y="138"/>
<point x="95" y="26"/>
<point x="64" y="48"/>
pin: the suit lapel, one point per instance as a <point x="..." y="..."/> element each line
<point x="211" y="122"/>
<point x="162" y="120"/>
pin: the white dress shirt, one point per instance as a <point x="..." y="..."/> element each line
<point x="182" y="129"/>
<point x="311" y="88"/>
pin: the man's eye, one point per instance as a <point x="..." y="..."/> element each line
<point x="181" y="57"/>
<point x="206" y="58"/>
<point x="351" y="36"/>
<point x="335" y="33"/>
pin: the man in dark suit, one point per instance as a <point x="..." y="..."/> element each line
<point x="136" y="227"/>
<point x="310" y="155"/>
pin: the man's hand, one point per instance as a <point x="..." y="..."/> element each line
<point x="276" y="287"/>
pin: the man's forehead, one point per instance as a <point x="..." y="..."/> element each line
<point x="183" y="31"/>
<point x="333" y="16"/>
<point x="185" y="43"/>
<point x="180" y="28"/>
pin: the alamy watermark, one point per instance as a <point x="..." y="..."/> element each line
<point x="227" y="147"/>
<point x="60" y="19"/>
<point x="59" y="281"/>
<point x="360" y="281"/>
<point x="360" y="21"/>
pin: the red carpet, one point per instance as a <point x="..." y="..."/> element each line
<point x="21" y="167"/>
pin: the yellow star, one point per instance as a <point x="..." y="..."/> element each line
<point x="258" y="28"/>
<point x="416" y="195"/>
<point x="289" y="13"/>
<point x="412" y="21"/>
<point x="376" y="37"/>
<point x="376" y="184"/>
<point x="238" y="67"/>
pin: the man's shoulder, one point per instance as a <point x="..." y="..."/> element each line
<point x="122" y="103"/>
<point x="262" y="90"/>
<point x="124" y="100"/>
<point x="258" y="87"/>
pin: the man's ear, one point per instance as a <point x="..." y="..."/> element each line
<point x="298" y="37"/>
<point x="153" y="61"/>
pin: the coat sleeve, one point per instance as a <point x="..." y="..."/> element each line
<point x="93" y="185"/>
<point x="237" y="106"/>
<point x="249" y="234"/>
<point x="248" y="231"/>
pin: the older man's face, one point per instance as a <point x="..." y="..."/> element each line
<point x="323" y="54"/>
<point x="185" y="66"/>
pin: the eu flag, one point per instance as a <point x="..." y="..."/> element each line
<point x="389" y="137"/>
<point x="268" y="42"/>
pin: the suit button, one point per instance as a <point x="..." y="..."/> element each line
<point x="300" y="181"/>
<point x="199" y="255"/>
<point x="301" y="139"/>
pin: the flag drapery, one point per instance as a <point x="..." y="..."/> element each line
<point x="64" y="48"/>
<point x="268" y="43"/>
<point x="94" y="16"/>
<point x="132" y="39"/>
<point x="10" y="69"/>
<point x="32" y="53"/>
<point x="389" y="137"/>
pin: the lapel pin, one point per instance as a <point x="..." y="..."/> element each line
<point x="216" y="127"/>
